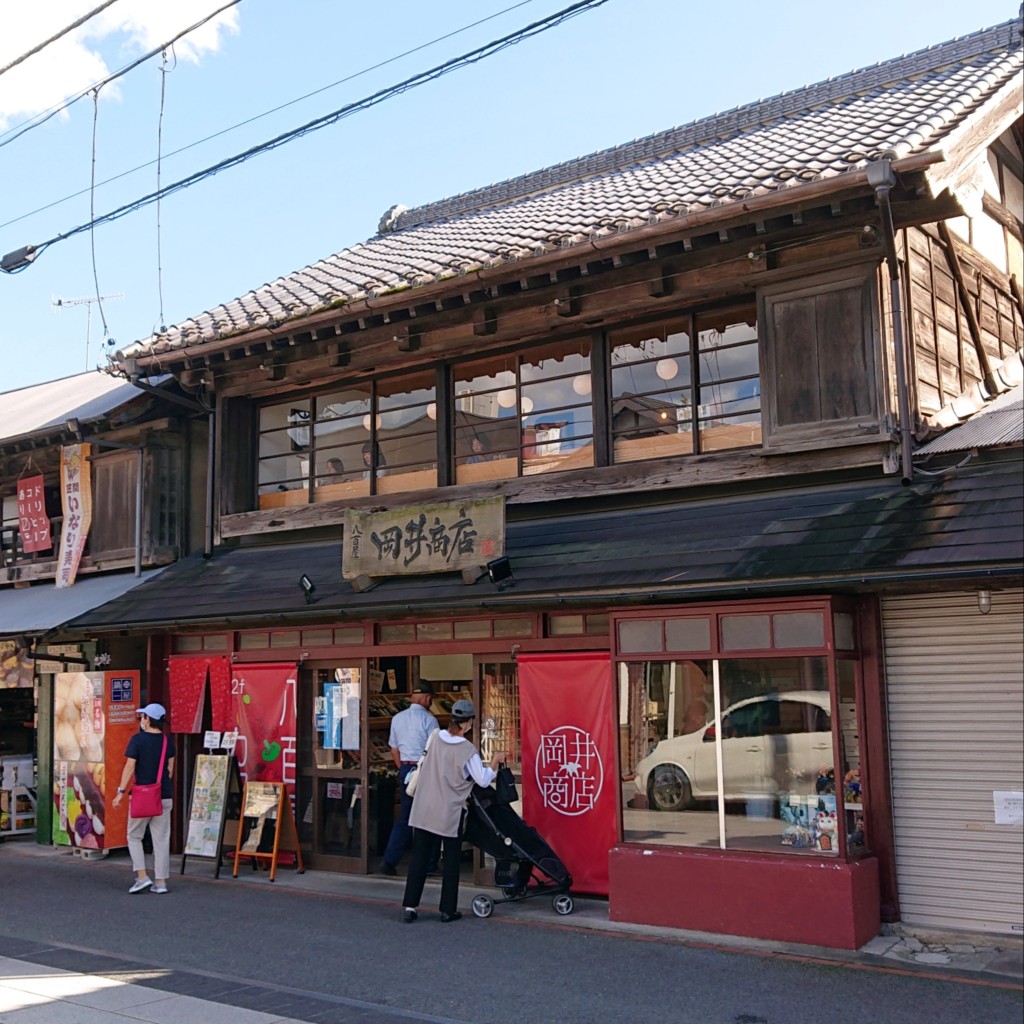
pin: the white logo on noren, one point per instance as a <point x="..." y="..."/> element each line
<point x="569" y="770"/>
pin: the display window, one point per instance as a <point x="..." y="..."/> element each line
<point x="752" y="746"/>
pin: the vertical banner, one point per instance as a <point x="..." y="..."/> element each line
<point x="570" y="793"/>
<point x="33" y="522"/>
<point x="76" y="501"/>
<point x="94" y="717"/>
<point x="264" y="701"/>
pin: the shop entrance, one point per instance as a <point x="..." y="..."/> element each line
<point x="496" y="695"/>
<point x="332" y="807"/>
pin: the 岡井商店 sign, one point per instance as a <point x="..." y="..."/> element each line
<point x="444" y="537"/>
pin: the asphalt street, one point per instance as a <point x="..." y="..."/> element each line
<point x="349" y="957"/>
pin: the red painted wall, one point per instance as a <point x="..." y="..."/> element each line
<point x="817" y="901"/>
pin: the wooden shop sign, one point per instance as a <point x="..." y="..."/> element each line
<point x="440" y="537"/>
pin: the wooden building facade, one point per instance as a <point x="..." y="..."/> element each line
<point x="692" y="374"/>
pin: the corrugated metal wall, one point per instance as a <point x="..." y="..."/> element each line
<point x="956" y="719"/>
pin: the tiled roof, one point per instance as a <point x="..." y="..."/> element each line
<point x="902" y="107"/>
<point x="861" y="534"/>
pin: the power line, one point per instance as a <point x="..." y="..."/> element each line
<point x="63" y="32"/>
<point x="19" y="260"/>
<point x="273" y="110"/>
<point x="27" y="126"/>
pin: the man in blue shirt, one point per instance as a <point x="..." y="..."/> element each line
<point x="410" y="730"/>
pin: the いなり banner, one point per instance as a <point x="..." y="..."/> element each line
<point x="570" y="794"/>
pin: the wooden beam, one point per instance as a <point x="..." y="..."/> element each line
<point x="485" y="321"/>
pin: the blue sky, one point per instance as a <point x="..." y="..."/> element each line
<point x="621" y="71"/>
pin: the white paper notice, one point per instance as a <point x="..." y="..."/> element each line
<point x="211" y="740"/>
<point x="1009" y="807"/>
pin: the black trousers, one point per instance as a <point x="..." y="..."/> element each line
<point x="426" y="847"/>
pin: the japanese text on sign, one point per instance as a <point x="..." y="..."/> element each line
<point x="33" y="522"/>
<point x="569" y="770"/>
<point x="423" y="539"/>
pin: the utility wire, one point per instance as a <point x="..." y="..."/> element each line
<point x="6" y="138"/>
<point x="63" y="32"/>
<point x="92" y="199"/>
<point x="273" y="110"/>
<point x="466" y="59"/>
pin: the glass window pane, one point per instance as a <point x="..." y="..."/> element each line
<point x="688" y="634"/>
<point x="729" y="407"/>
<point x="746" y="632"/>
<point x="434" y="631"/>
<point x="285" y="638"/>
<point x="652" y="396"/>
<point x="216" y="642"/>
<point x="472" y="629"/>
<point x="842" y="628"/>
<point x="406" y="434"/>
<point x="597" y="625"/>
<point x="317" y="638"/>
<point x="340" y="429"/>
<point x="565" y="625"/>
<point x="184" y="644"/>
<point x="350" y="635"/>
<point x="513" y="627"/>
<point x="639" y="636"/>
<point x="397" y="633"/>
<point x="777" y="755"/>
<point x="799" y="629"/>
<point x="284" y="450"/>
<point x="253" y="641"/>
<point x="664" y="712"/>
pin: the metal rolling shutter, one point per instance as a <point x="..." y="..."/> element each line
<point x="956" y="720"/>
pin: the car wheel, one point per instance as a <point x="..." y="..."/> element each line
<point x="669" y="788"/>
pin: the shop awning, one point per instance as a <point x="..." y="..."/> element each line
<point x="32" y="611"/>
<point x="967" y="524"/>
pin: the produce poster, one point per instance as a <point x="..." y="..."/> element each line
<point x="94" y="718"/>
<point x="206" y="813"/>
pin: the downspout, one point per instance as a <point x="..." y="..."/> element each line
<point x="138" y="510"/>
<point x="882" y="179"/>
<point x="211" y="420"/>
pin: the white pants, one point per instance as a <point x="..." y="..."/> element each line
<point x="160" y="832"/>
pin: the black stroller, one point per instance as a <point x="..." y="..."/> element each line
<point x="520" y="854"/>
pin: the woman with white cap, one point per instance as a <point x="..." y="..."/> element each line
<point x="147" y="750"/>
<point x="449" y="769"/>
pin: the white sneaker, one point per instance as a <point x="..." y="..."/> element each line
<point x="140" y="885"/>
<point x="159" y="889"/>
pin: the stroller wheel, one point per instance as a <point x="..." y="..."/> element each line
<point x="483" y="906"/>
<point x="510" y="892"/>
<point x="563" y="904"/>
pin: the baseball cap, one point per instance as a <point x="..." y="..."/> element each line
<point x="463" y="710"/>
<point x="153" y="711"/>
<point x="423" y="686"/>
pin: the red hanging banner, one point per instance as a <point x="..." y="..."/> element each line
<point x="187" y="692"/>
<point x="263" y="697"/>
<point x="570" y="794"/>
<point x="33" y="522"/>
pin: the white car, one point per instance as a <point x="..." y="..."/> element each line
<point x="776" y="742"/>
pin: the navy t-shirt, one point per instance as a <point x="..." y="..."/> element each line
<point x="145" y="748"/>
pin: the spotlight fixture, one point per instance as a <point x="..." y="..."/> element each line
<point x="308" y="588"/>
<point x="984" y="601"/>
<point x="499" y="572"/>
<point x="74" y="426"/>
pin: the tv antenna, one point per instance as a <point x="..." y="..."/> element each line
<point x="58" y="303"/>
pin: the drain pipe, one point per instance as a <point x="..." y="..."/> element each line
<point x="882" y="178"/>
<point x="211" y="420"/>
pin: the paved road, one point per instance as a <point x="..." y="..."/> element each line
<point x="316" y="955"/>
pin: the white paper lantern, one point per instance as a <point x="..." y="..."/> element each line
<point x="432" y="410"/>
<point x="581" y="384"/>
<point x="507" y="398"/>
<point x="666" y="369"/>
<point x="366" y="422"/>
<point x="526" y="405"/>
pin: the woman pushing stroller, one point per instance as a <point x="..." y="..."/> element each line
<point x="445" y="778"/>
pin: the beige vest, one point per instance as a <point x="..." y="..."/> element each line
<point x="442" y="787"/>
